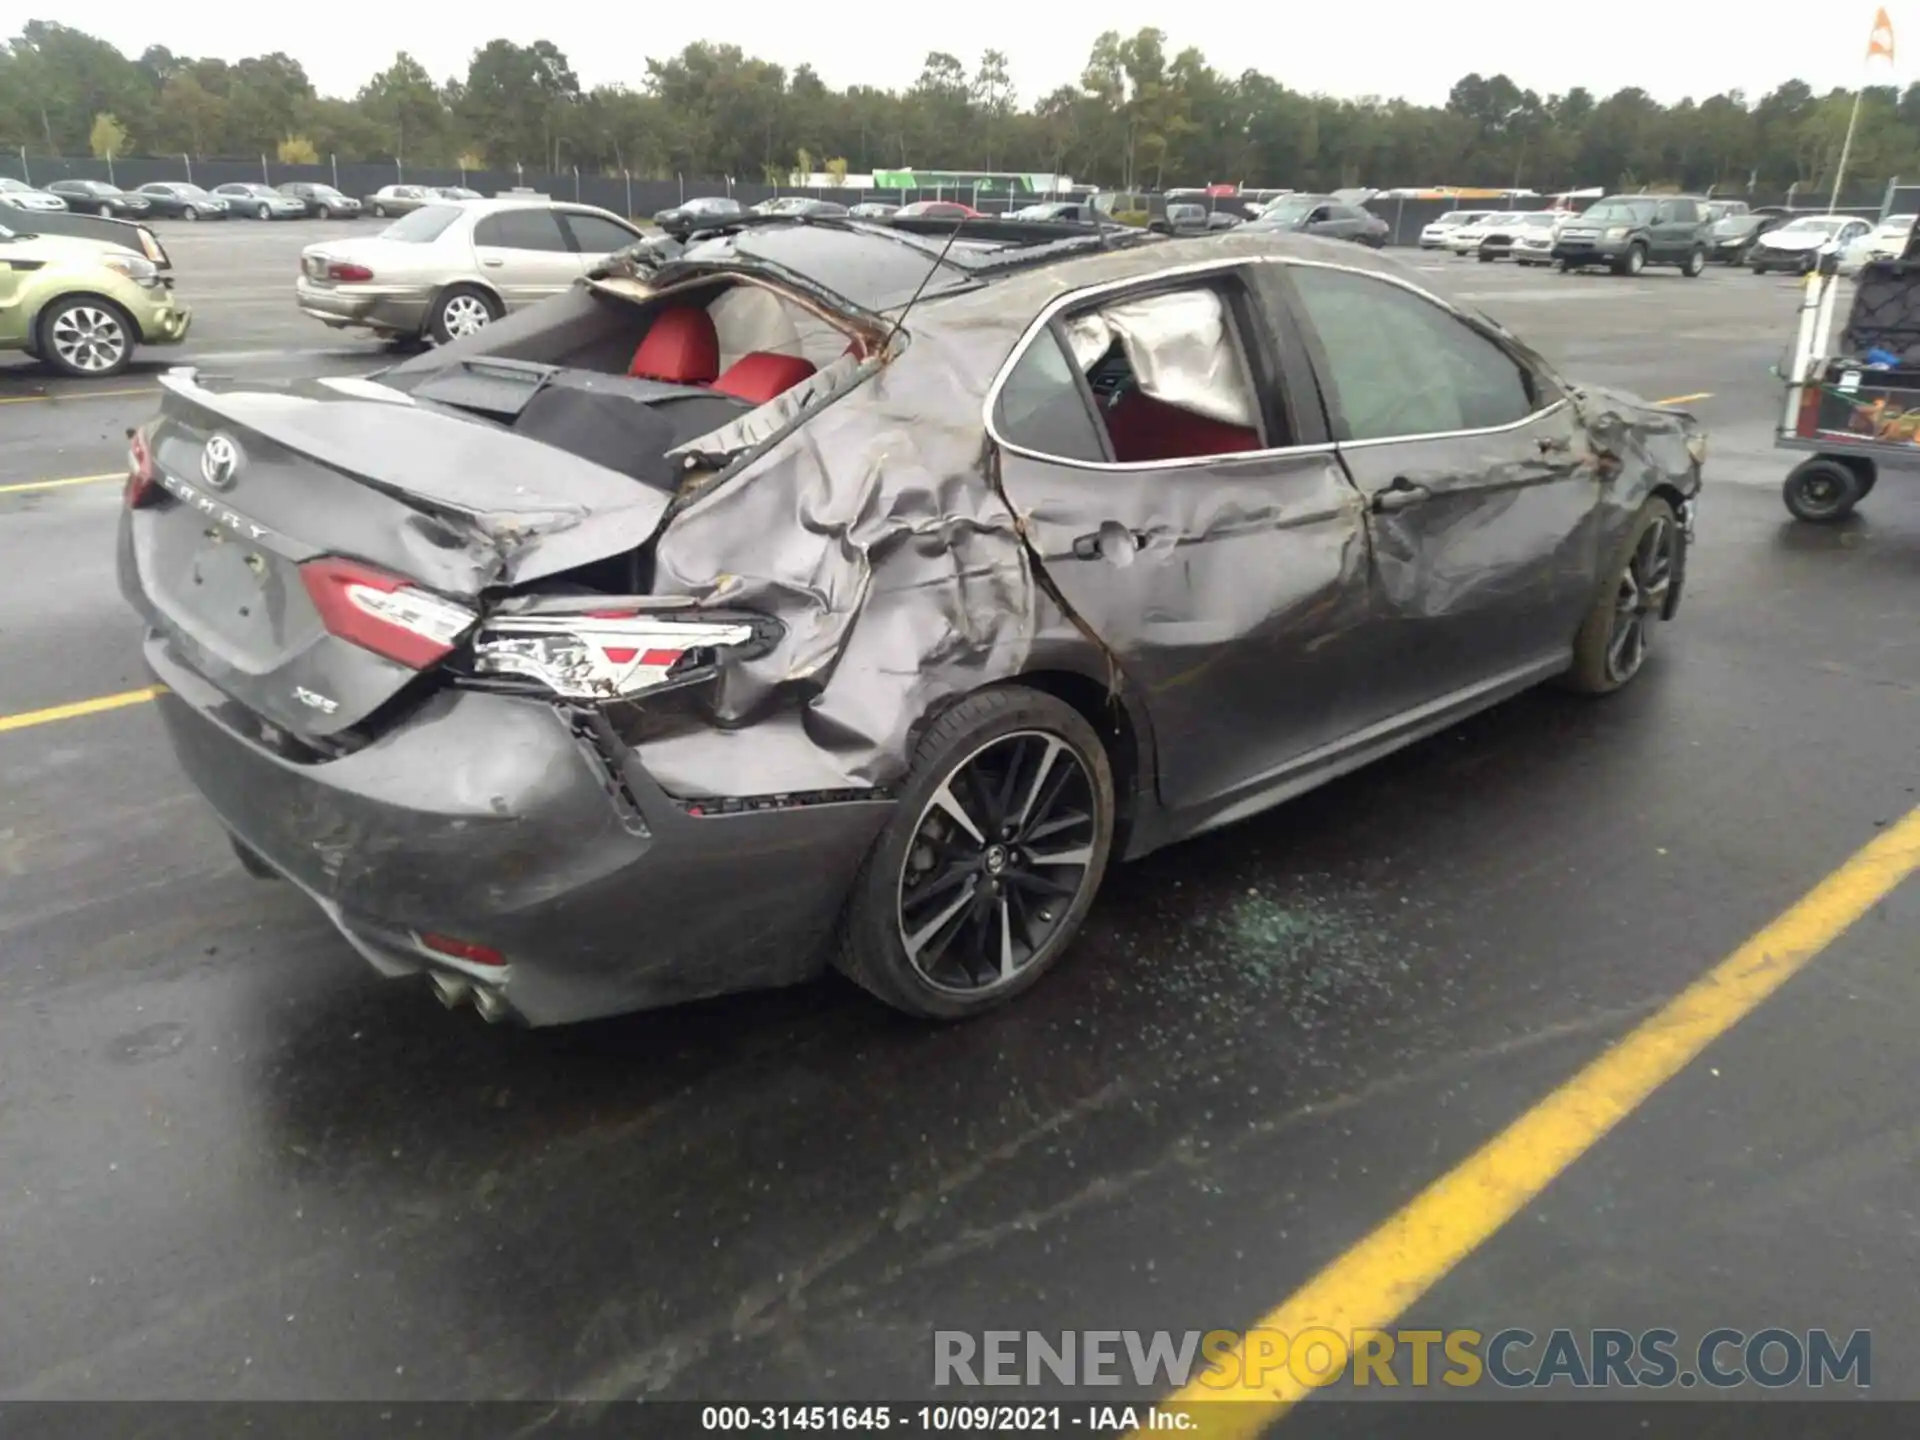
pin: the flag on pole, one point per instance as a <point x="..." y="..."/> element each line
<point x="1880" y="43"/>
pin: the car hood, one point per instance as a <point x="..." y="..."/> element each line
<point x="58" y="249"/>
<point x="1796" y="240"/>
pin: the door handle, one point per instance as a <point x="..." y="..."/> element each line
<point x="1112" y="541"/>
<point x="493" y="264"/>
<point x="1399" y="495"/>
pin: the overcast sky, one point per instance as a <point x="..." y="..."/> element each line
<point x="1413" y="49"/>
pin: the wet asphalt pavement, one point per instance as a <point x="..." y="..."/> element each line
<point x="234" y="1163"/>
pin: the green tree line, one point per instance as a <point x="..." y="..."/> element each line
<point x="1139" y="117"/>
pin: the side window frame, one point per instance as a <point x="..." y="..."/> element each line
<point x="1056" y="330"/>
<point x="565" y="218"/>
<point x="498" y="218"/>
<point x="1225" y="282"/>
<point x="1277" y="366"/>
<point x="1544" y="390"/>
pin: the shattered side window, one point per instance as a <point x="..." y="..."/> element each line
<point x="1400" y="366"/>
<point x="1169" y="376"/>
<point x="1041" y="408"/>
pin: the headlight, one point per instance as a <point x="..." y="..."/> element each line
<point x="135" y="268"/>
<point x="1618" y="232"/>
<point x="1697" y="448"/>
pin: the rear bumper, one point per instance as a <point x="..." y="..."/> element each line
<point x="402" y="309"/>
<point x="484" y="817"/>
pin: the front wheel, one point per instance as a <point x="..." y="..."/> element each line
<point x="996" y="847"/>
<point x="325" y="212"/>
<point x="459" y="311"/>
<point x="1694" y="265"/>
<point x="1821" y="491"/>
<point x="1633" y="262"/>
<point x="1614" y="639"/>
<point x="263" y="213"/>
<point x="189" y="214"/>
<point x="379" y="212"/>
<point x="84" y="337"/>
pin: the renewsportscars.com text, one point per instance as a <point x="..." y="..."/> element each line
<point x="1722" y="1359"/>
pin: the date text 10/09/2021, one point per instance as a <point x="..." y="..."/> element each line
<point x="944" y="1419"/>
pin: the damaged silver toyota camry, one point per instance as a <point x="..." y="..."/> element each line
<point x="827" y="595"/>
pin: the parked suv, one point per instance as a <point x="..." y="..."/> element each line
<point x="1627" y="233"/>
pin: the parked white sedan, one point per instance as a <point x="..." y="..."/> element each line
<point x="1886" y="241"/>
<point x="449" y="268"/>
<point x="1434" y="236"/>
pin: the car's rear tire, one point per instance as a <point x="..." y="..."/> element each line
<point x="461" y="310"/>
<point x="86" y="337"/>
<point x="1008" y="809"/>
<point x="1694" y="265"/>
<point x="1821" y="491"/>
<point x="1613" y="641"/>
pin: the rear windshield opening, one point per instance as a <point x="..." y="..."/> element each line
<point x="666" y="389"/>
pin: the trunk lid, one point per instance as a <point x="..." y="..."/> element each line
<point x="261" y="479"/>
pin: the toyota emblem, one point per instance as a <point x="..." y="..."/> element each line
<point x="219" y="462"/>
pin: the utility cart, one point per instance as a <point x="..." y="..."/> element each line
<point x="1853" y="408"/>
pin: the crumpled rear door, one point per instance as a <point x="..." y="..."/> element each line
<point x="1229" y="589"/>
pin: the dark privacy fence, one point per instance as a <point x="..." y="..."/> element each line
<point x="625" y="195"/>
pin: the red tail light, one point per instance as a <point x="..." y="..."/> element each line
<point x="463" y="949"/>
<point x="602" y="654"/>
<point x="143" y="481"/>
<point x="346" y="270"/>
<point x="383" y="613"/>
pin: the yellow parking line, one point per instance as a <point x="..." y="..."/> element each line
<point x="1683" y="399"/>
<point x="1375" y="1282"/>
<point x="26" y="485"/>
<point x="27" y="719"/>
<point x="77" y="395"/>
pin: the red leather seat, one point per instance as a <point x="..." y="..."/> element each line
<point x="759" y="375"/>
<point x="680" y="347"/>
<point x="1143" y="428"/>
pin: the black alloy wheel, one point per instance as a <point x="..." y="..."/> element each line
<point x="1001" y="851"/>
<point x="1617" y="635"/>
<point x="991" y="861"/>
<point x="1641" y="598"/>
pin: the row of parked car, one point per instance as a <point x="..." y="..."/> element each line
<point x="1323" y="215"/>
<point x="1626" y="233"/>
<point x="253" y="200"/>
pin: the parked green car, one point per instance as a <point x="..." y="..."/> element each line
<point x="81" y="306"/>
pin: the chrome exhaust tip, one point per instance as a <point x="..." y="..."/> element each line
<point x="453" y="991"/>
<point x="491" y="1004"/>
